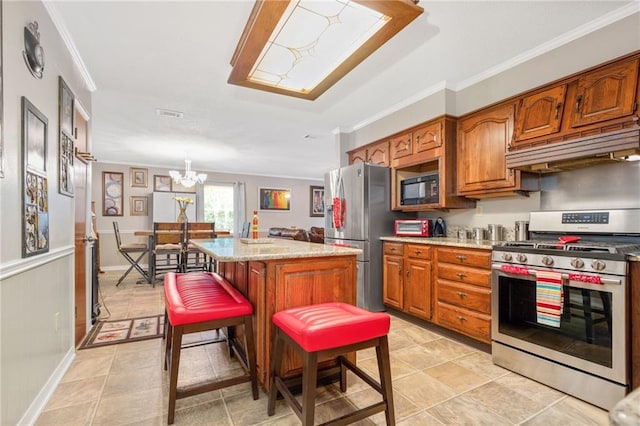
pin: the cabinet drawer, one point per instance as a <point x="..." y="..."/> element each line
<point x="463" y="274"/>
<point x="479" y="258"/>
<point x="393" y="248"/>
<point x="466" y="296"/>
<point x="464" y="321"/>
<point x="418" y="250"/>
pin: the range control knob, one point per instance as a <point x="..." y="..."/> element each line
<point x="520" y="257"/>
<point x="507" y="257"/>
<point x="547" y="260"/>
<point x="598" y="265"/>
<point x="577" y="263"/>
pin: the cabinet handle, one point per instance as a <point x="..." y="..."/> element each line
<point x="460" y="318"/>
<point x="408" y="270"/>
<point x="461" y="275"/>
<point x="462" y="294"/>
<point x="400" y="272"/>
<point x="392" y="248"/>
<point x="417" y="251"/>
<point x="578" y="102"/>
<point x="461" y="258"/>
<point x="558" y="106"/>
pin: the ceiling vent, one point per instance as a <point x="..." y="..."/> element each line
<point x="168" y="113"/>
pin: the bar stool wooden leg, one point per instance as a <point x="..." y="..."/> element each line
<point x="278" y="349"/>
<point x="251" y="354"/>
<point x="176" y="343"/>
<point x="309" y="379"/>
<point x="384" y="367"/>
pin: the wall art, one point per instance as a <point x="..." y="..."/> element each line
<point x="66" y="143"/>
<point x="35" y="189"/>
<point x="112" y="197"/>
<point x="162" y="183"/>
<point x="138" y="206"/>
<point x="34" y="138"/>
<point x="138" y="177"/>
<point x="274" y="199"/>
<point x="316" y="201"/>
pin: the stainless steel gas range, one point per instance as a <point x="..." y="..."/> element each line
<point x="560" y="302"/>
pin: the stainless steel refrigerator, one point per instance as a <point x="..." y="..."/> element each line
<point x="357" y="213"/>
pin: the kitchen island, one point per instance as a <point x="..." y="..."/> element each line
<point x="276" y="274"/>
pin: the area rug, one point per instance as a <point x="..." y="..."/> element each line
<point x="106" y="333"/>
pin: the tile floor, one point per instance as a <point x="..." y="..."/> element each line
<point x="437" y="380"/>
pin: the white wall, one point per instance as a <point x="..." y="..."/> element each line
<point x="33" y="290"/>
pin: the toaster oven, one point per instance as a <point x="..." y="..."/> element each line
<point x="412" y="227"/>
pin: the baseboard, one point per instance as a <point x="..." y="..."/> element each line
<point x="40" y="401"/>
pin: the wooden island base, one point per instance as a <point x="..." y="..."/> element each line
<point x="284" y="275"/>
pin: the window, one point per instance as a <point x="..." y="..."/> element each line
<point x="218" y="205"/>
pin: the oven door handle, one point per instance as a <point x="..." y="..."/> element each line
<point x="532" y="272"/>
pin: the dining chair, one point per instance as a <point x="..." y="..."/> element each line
<point x="168" y="243"/>
<point x="193" y="258"/>
<point x="129" y="251"/>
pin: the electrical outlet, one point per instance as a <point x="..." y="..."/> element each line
<point x="56" y="321"/>
<point x="478" y="209"/>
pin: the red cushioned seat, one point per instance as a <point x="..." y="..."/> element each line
<point x="200" y="297"/>
<point x="320" y="332"/>
<point x="202" y="301"/>
<point x="331" y="325"/>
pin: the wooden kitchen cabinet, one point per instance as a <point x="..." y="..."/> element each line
<point x="483" y="138"/>
<point x="606" y="93"/>
<point x="539" y="114"/>
<point x="463" y="289"/>
<point x="401" y="146"/>
<point x="407" y="278"/>
<point x="377" y="153"/>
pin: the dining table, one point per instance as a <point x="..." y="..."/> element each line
<point x="151" y="273"/>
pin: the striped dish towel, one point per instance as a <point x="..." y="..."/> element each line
<point x="549" y="298"/>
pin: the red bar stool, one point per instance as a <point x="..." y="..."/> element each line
<point x="327" y="330"/>
<point x="196" y="302"/>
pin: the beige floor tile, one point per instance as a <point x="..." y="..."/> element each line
<point x="505" y="401"/>
<point x="466" y="411"/>
<point x="130" y="407"/>
<point x="403" y="408"/>
<point x="570" y="411"/>
<point x="75" y="392"/>
<point x="209" y="413"/>
<point x="133" y="381"/>
<point x="417" y="356"/>
<point x="135" y="360"/>
<point x="399" y="368"/>
<point x="455" y="376"/>
<point x="87" y="367"/>
<point x="423" y="418"/>
<point x="530" y="388"/>
<point x="417" y="334"/>
<point x="480" y="363"/>
<point x="244" y="410"/>
<point x="422" y="390"/>
<point x="446" y="349"/>
<point x="73" y="415"/>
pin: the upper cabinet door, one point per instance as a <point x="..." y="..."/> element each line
<point x="427" y="137"/>
<point x="358" y="156"/>
<point x="482" y="145"/>
<point x="379" y="154"/>
<point x="401" y="146"/>
<point x="606" y="94"/>
<point x="540" y="114"/>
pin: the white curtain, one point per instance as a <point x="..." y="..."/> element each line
<point x="240" y="206"/>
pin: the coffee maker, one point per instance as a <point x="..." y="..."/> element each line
<point x="439" y="228"/>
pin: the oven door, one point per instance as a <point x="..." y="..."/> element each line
<point x="592" y="329"/>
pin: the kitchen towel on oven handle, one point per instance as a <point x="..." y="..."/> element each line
<point x="549" y="298"/>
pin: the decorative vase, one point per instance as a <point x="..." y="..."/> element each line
<point x="182" y="216"/>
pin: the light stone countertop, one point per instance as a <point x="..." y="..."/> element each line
<point x="443" y="241"/>
<point x="233" y="250"/>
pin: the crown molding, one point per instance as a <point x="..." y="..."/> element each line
<point x="58" y="22"/>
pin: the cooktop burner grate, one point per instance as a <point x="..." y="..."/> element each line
<point x="583" y="246"/>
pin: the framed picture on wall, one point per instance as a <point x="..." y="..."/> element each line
<point x="162" y="183"/>
<point x="138" y="206"/>
<point x="138" y="177"/>
<point x="34" y="138"/>
<point x="271" y="199"/>
<point x="112" y="198"/>
<point x="316" y="201"/>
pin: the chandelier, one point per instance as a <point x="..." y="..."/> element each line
<point x="190" y="177"/>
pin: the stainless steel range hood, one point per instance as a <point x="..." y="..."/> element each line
<point x="577" y="153"/>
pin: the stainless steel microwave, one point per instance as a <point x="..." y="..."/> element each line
<point x="420" y="190"/>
